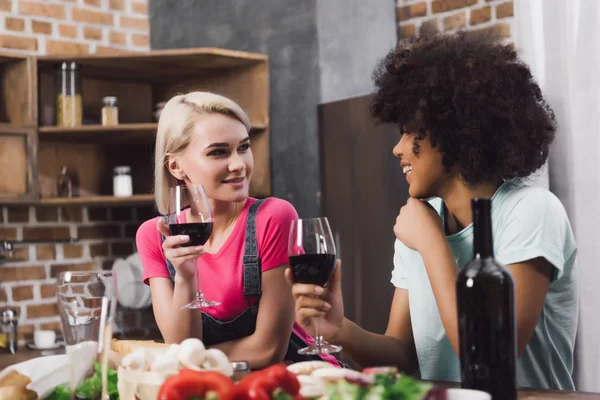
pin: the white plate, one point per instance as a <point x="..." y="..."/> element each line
<point x="55" y="346"/>
<point x="467" y="394"/>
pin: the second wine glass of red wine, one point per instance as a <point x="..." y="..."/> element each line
<point x="311" y="251"/>
<point x="190" y="214"/>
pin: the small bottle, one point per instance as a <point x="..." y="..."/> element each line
<point x="240" y="370"/>
<point x="486" y="315"/>
<point x="110" y="111"/>
<point x="122" y="184"/>
<point x="64" y="184"/>
<point x="69" y="103"/>
<point x="9" y="322"/>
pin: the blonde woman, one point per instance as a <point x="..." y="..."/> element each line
<point x="203" y="138"/>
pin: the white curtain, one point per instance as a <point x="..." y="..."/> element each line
<point x="560" y="40"/>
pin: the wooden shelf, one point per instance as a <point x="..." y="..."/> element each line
<point x="28" y="94"/>
<point x="158" y="64"/>
<point x="99" y="200"/>
<point x="119" y="133"/>
<point x="14" y="129"/>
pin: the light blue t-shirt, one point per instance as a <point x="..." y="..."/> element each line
<point x="527" y="222"/>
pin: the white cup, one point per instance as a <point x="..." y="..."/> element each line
<point x="467" y="394"/>
<point x="44" y="338"/>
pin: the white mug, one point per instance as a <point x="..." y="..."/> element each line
<point x="44" y="338"/>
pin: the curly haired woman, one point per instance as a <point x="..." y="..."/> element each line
<point x="474" y="124"/>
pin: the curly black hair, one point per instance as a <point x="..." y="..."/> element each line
<point x="472" y="97"/>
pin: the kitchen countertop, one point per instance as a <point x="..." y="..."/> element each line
<point x="25" y="354"/>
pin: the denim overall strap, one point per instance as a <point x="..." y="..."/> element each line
<point x="251" y="259"/>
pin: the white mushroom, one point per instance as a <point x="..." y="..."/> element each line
<point x="192" y="353"/>
<point x="336" y="374"/>
<point x="135" y="361"/>
<point x="166" y="362"/>
<point x="218" y="361"/>
<point x="311" y="386"/>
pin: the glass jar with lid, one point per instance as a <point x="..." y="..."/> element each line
<point x="122" y="183"/>
<point x="9" y="320"/>
<point x="69" y="103"/>
<point x="110" y="111"/>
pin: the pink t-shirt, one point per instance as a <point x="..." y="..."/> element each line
<point x="222" y="272"/>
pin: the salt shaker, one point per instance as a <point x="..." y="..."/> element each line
<point x="240" y="370"/>
<point x="122" y="184"/>
<point x="8" y="331"/>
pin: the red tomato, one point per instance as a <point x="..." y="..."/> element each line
<point x="260" y="385"/>
<point x="189" y="383"/>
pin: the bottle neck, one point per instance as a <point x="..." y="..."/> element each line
<point x="483" y="246"/>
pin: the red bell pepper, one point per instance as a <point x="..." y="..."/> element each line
<point x="260" y="385"/>
<point x="189" y="383"/>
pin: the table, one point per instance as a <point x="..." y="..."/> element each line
<point x="25" y="354"/>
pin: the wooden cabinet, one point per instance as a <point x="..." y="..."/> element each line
<point x="17" y="163"/>
<point x="18" y="139"/>
<point x="363" y="189"/>
<point x="139" y="81"/>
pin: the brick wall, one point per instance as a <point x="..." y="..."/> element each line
<point x="68" y="27"/>
<point x="105" y="234"/>
<point x="418" y="16"/>
<point x="73" y="26"/>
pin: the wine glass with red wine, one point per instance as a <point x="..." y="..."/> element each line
<point x="311" y="250"/>
<point x="189" y="214"/>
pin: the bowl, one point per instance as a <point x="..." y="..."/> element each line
<point x="467" y="394"/>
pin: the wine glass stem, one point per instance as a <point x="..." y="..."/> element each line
<point x="318" y="337"/>
<point x="197" y="278"/>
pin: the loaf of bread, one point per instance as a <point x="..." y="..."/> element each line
<point x="13" y="387"/>
<point x="124" y="347"/>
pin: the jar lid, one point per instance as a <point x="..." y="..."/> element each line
<point x="9" y="315"/>
<point x="110" y="100"/>
<point x="122" y="169"/>
<point x="65" y="66"/>
<point x="240" y="366"/>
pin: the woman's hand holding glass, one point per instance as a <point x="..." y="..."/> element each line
<point x="315" y="303"/>
<point x="182" y="258"/>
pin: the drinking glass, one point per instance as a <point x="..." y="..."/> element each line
<point x="87" y="303"/>
<point x="190" y="214"/>
<point x="311" y="251"/>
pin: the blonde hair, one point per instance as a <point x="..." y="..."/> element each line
<point x="175" y="129"/>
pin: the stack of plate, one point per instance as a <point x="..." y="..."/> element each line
<point x="133" y="293"/>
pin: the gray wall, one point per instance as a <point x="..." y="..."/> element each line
<point x="353" y="36"/>
<point x="319" y="50"/>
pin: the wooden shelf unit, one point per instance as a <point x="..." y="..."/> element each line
<point x="100" y="200"/>
<point x="139" y="81"/>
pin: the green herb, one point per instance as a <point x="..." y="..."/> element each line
<point x="60" y="392"/>
<point x="387" y="386"/>
<point x="401" y="388"/>
<point x="279" y="394"/>
<point x="345" y="390"/>
<point x="91" y="388"/>
<point x="111" y="380"/>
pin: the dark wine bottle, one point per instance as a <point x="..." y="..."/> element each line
<point x="486" y="315"/>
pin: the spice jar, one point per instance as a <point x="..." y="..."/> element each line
<point x="110" y="111"/>
<point x="69" y="104"/>
<point x="8" y="331"/>
<point x="122" y="184"/>
<point x="240" y="370"/>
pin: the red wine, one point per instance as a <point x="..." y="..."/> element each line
<point x="486" y="315"/>
<point x="315" y="269"/>
<point x="199" y="232"/>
